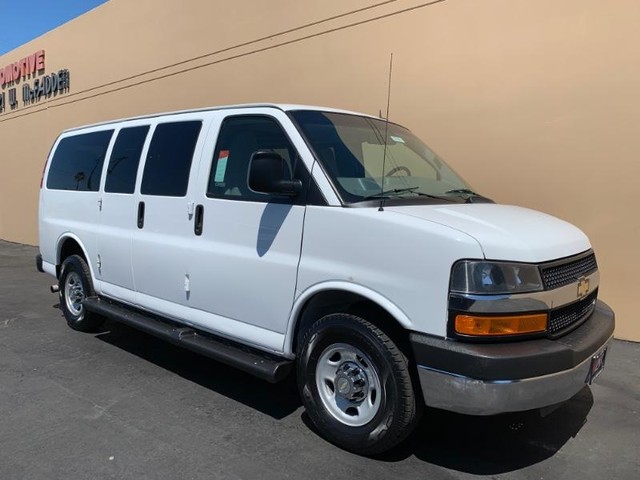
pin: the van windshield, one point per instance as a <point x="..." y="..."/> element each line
<point x="351" y="149"/>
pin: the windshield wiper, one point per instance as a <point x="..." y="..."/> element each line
<point x="400" y="191"/>
<point x="393" y="191"/>
<point x="463" y="191"/>
<point x="469" y="195"/>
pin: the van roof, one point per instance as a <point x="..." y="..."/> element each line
<point x="285" y="107"/>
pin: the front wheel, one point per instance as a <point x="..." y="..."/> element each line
<point x="356" y="385"/>
<point x="76" y="285"/>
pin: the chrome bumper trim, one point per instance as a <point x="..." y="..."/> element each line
<point x="479" y="397"/>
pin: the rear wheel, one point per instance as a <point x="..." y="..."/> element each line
<point x="76" y="285"/>
<point x="356" y="385"/>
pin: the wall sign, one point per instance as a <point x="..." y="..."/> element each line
<point x="28" y="77"/>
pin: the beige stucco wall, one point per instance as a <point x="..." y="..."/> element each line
<point x="535" y="103"/>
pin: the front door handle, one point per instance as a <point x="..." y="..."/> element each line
<point x="140" y="214"/>
<point x="198" y="220"/>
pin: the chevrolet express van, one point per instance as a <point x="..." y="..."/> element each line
<point x="282" y="238"/>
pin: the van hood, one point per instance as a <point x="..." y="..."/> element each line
<point x="506" y="232"/>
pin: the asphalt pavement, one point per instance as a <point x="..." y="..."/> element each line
<point x="120" y="404"/>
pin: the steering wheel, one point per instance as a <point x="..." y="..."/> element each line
<point x="405" y="170"/>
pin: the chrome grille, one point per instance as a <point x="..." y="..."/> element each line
<point x="555" y="276"/>
<point x="563" y="317"/>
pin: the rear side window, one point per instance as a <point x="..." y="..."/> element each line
<point x="125" y="158"/>
<point x="77" y="162"/>
<point x="166" y="171"/>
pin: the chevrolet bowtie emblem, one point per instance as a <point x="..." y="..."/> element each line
<point x="583" y="287"/>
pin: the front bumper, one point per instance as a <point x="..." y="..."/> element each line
<point x="486" y="379"/>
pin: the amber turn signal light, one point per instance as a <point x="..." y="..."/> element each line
<point x="503" y="325"/>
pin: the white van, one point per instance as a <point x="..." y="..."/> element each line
<point x="282" y="237"/>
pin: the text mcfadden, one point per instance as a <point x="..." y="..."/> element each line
<point x="30" y="68"/>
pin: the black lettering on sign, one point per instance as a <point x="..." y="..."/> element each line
<point x="13" y="99"/>
<point x="26" y="89"/>
<point x="39" y="88"/>
<point x="63" y="81"/>
<point x="46" y="86"/>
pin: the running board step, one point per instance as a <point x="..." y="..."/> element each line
<point x="253" y="361"/>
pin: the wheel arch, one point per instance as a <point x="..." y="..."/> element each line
<point x="343" y="297"/>
<point x="69" y="244"/>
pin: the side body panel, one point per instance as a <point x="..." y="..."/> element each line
<point x="118" y="218"/>
<point x="69" y="214"/>
<point x="408" y="263"/>
<point x="161" y="247"/>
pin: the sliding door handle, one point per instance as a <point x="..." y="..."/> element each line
<point x="140" y="214"/>
<point x="198" y="220"/>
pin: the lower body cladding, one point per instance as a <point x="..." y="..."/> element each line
<point x="487" y="379"/>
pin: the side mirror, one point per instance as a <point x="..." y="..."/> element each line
<point x="269" y="173"/>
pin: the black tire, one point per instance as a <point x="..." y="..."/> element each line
<point x="329" y="342"/>
<point x="75" y="285"/>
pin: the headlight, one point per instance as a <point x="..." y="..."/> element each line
<point x="480" y="277"/>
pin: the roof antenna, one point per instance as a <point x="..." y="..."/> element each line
<point x="386" y="128"/>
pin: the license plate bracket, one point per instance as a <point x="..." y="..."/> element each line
<point x="596" y="366"/>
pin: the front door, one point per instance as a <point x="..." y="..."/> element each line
<point x="243" y="264"/>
